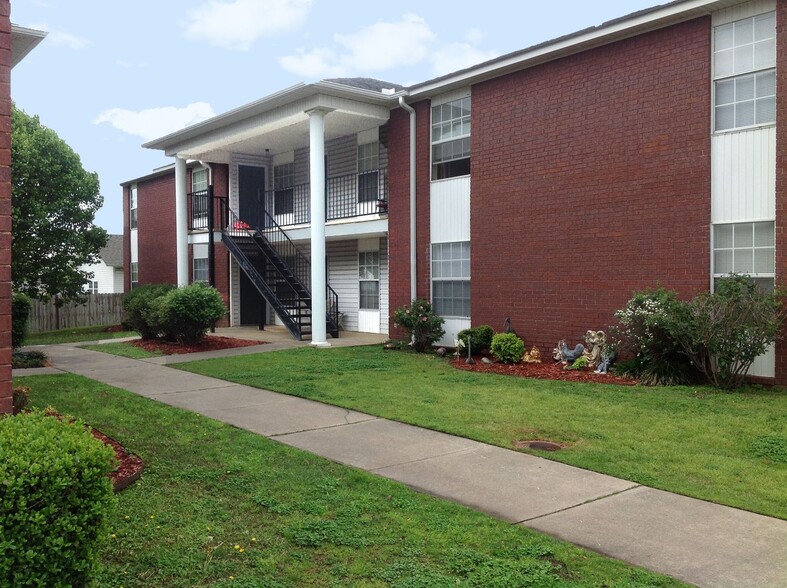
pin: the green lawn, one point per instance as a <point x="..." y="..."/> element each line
<point x="729" y="448"/>
<point x="218" y="506"/>
<point x="123" y="350"/>
<point x="74" y="335"/>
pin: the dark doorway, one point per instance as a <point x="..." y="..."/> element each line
<point x="251" y="191"/>
<point x="251" y="194"/>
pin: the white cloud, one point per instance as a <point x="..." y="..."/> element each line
<point x="475" y="36"/>
<point x="153" y="123"/>
<point x="378" y="47"/>
<point x="238" y="24"/>
<point x="456" y="56"/>
<point x="60" y="38"/>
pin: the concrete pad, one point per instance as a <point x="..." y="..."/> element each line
<point x="229" y="396"/>
<point x="286" y="414"/>
<point x="695" y="541"/>
<point x="378" y="443"/>
<point x="504" y="483"/>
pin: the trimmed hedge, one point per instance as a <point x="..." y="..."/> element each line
<point x="54" y="498"/>
<point x="185" y="314"/>
<point x="137" y="304"/>
<point x="507" y="347"/>
<point x="480" y="337"/>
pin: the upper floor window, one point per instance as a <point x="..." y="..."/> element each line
<point x="133" y="208"/>
<point x="451" y="139"/>
<point x="744" y="71"/>
<point x="368" y="172"/>
<point x="199" y="180"/>
<point x="283" y="182"/>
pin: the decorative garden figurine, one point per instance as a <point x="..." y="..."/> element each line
<point x="563" y="354"/>
<point x="470" y="360"/>
<point x="595" y="341"/>
<point x="607" y="359"/>
<point x="532" y="356"/>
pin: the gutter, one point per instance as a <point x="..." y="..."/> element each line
<point x="413" y="272"/>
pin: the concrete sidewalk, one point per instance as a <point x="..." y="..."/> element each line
<point x="695" y="541"/>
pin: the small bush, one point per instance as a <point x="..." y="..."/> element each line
<point x="21" y="398"/>
<point x="136" y="305"/>
<point x="20" y="313"/>
<point x="580" y="363"/>
<point x="186" y="314"/>
<point x="422" y="325"/>
<point x="507" y="347"/>
<point x="54" y="499"/>
<point x="480" y="337"/>
<point x="28" y="359"/>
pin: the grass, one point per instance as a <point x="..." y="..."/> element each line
<point x="74" y="335"/>
<point x="728" y="448"/>
<point x="218" y="506"/>
<point x="123" y="350"/>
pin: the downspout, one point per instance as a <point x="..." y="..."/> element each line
<point x="413" y="268"/>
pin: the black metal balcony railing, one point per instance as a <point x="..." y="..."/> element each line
<point x="198" y="203"/>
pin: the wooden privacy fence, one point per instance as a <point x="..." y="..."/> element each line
<point x="100" y="309"/>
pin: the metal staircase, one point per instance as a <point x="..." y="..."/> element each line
<point x="279" y="271"/>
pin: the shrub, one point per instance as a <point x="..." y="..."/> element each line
<point x="723" y="332"/>
<point x="54" y="499"/>
<point x="136" y="305"/>
<point x="21" y="398"/>
<point x="645" y="333"/>
<point x="422" y="325"/>
<point x="186" y="314"/>
<point x="20" y="313"/>
<point x="580" y="363"/>
<point x="28" y="359"/>
<point x="480" y="337"/>
<point x="507" y="347"/>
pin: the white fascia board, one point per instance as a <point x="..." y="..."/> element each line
<point x="604" y="34"/>
<point x="252" y="111"/>
<point x="23" y="41"/>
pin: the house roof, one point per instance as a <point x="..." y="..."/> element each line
<point x="112" y="254"/>
<point x="23" y="41"/>
<point x="373" y="92"/>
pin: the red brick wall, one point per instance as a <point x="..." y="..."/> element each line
<point x="6" y="403"/>
<point x="156" y="231"/>
<point x="591" y="179"/>
<point x="126" y="239"/>
<point x="399" y="206"/>
<point x="781" y="173"/>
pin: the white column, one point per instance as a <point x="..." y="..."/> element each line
<point x="181" y="222"/>
<point x="317" y="182"/>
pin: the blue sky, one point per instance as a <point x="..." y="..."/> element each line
<point x="112" y="75"/>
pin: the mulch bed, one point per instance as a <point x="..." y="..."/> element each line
<point x="129" y="465"/>
<point x="209" y="343"/>
<point x="542" y="371"/>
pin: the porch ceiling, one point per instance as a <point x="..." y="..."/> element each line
<point x="281" y="128"/>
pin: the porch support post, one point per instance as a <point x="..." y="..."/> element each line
<point x="181" y="222"/>
<point x="317" y="183"/>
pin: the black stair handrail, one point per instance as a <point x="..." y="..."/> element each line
<point x="301" y="277"/>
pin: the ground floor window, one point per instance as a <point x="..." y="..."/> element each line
<point x="369" y="280"/>
<point x="451" y="279"/>
<point x="746" y="248"/>
<point x="200" y="270"/>
<point x="92" y="287"/>
<point x="134" y="274"/>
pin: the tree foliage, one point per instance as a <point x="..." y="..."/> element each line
<point x="54" y="203"/>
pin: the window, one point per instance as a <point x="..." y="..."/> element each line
<point x="368" y="174"/>
<point x="744" y="69"/>
<point x="200" y="270"/>
<point x="451" y="139"/>
<point x="133" y="208"/>
<point x="369" y="280"/>
<point x="451" y="278"/>
<point x="199" y="198"/>
<point x="283" y="182"/>
<point x="92" y="287"/>
<point x="134" y="274"/>
<point x="745" y="248"/>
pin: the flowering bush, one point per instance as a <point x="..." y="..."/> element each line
<point x="239" y="225"/>
<point x="645" y="330"/>
<point x="422" y="325"/>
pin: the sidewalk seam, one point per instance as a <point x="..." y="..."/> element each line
<point x="344" y="424"/>
<point x="573" y="506"/>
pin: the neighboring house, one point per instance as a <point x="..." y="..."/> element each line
<point x="543" y="186"/>
<point x="15" y="43"/>
<point x="108" y="273"/>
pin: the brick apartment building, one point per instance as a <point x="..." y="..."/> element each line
<point x="543" y="186"/>
<point x="15" y="43"/>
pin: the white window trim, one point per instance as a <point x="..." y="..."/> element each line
<point x="714" y="275"/>
<point x="432" y="279"/>
<point x="439" y="101"/>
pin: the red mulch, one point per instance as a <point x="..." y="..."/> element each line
<point x="129" y="465"/>
<point x="209" y="343"/>
<point x="542" y="371"/>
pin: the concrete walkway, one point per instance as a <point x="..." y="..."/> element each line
<point x="695" y="541"/>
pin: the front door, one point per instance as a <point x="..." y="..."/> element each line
<point x="251" y="190"/>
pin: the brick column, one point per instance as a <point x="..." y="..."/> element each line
<point x="6" y="398"/>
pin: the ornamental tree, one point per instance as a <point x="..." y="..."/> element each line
<point x="54" y="202"/>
